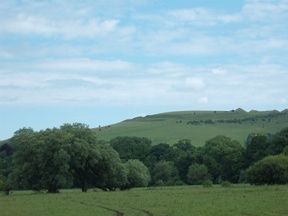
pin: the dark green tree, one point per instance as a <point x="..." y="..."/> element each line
<point x="184" y="145"/>
<point x="197" y="174"/>
<point x="270" y="170"/>
<point x="41" y="161"/>
<point x="164" y="172"/>
<point x="131" y="147"/>
<point x="223" y="158"/>
<point x="110" y="172"/>
<point x="278" y="142"/>
<point x="256" y="149"/>
<point x="138" y="174"/>
<point x="84" y="153"/>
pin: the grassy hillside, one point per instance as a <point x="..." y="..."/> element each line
<point x="198" y="126"/>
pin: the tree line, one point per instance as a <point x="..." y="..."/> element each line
<point x="72" y="157"/>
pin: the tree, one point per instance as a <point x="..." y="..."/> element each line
<point x="256" y="149"/>
<point x="138" y="174"/>
<point x="197" y="174"/>
<point x="84" y="152"/>
<point x="270" y="170"/>
<point x="223" y="158"/>
<point x="131" y="147"/>
<point x="184" y="145"/>
<point x="164" y="171"/>
<point x="278" y="142"/>
<point x="110" y="172"/>
<point x="5" y="186"/>
<point x="41" y="161"/>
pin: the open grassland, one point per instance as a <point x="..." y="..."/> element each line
<point x="162" y="201"/>
<point x="198" y="126"/>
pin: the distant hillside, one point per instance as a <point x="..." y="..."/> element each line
<point x="198" y="126"/>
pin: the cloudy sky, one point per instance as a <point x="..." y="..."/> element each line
<point x="102" y="61"/>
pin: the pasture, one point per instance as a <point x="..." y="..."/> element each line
<point x="162" y="201"/>
<point x="171" y="127"/>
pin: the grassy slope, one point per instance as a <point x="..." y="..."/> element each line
<point x="171" y="127"/>
<point x="169" y="201"/>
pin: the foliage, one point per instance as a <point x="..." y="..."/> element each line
<point x="270" y="170"/>
<point x="279" y="142"/>
<point x="57" y="158"/>
<point x="225" y="184"/>
<point x="40" y="161"/>
<point x="207" y="183"/>
<point x="197" y="174"/>
<point x="110" y="172"/>
<point x="256" y="149"/>
<point x="138" y="174"/>
<point x="164" y="172"/>
<point x="71" y="156"/>
<point x="223" y="158"/>
<point x="131" y="147"/>
<point x="5" y="186"/>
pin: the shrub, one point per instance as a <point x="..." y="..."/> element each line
<point x="6" y="187"/>
<point x="207" y="183"/>
<point x="225" y="184"/>
<point x="270" y="170"/>
<point x="197" y="173"/>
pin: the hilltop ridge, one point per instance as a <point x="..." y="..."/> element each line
<point x="198" y="126"/>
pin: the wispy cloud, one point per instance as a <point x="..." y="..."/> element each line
<point x="138" y="53"/>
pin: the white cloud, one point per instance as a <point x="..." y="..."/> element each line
<point x="266" y="11"/>
<point x="195" y="83"/>
<point x="68" y="29"/>
<point x="203" y="100"/>
<point x="218" y="71"/>
<point x="87" y="65"/>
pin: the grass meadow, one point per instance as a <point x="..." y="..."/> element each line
<point x="162" y="201"/>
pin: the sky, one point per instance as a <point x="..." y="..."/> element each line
<point x="100" y="62"/>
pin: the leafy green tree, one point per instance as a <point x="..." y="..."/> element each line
<point x="110" y="172"/>
<point x="256" y="149"/>
<point x="184" y="145"/>
<point x="131" y="147"/>
<point x="278" y="142"/>
<point x="5" y="186"/>
<point x="27" y="162"/>
<point x="223" y="158"/>
<point x="157" y="153"/>
<point x="164" y="171"/>
<point x="138" y="174"/>
<point x="83" y="151"/>
<point x="40" y="161"/>
<point x="6" y="153"/>
<point x="270" y="170"/>
<point x="197" y="174"/>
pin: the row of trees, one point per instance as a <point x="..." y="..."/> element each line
<point x="71" y="156"/>
<point x="220" y="159"/>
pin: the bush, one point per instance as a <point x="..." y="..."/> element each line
<point x="5" y="187"/>
<point x="207" y="183"/>
<point x="197" y="173"/>
<point x="225" y="184"/>
<point x="270" y="170"/>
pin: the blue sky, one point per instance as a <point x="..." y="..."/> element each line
<point x="102" y="61"/>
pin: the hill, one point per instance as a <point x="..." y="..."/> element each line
<point x="198" y="126"/>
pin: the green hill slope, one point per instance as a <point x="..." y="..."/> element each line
<point x="198" y="126"/>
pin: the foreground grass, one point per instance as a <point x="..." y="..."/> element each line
<point x="164" y="201"/>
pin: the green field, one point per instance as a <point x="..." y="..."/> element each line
<point x="174" y="126"/>
<point x="162" y="201"/>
